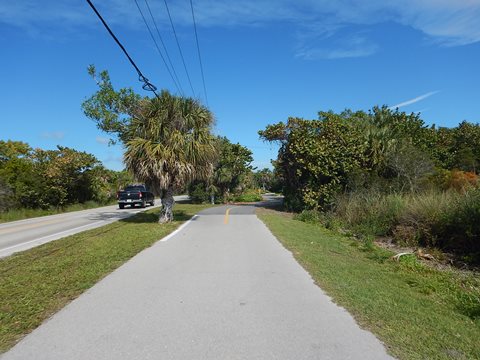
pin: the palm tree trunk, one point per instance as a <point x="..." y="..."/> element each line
<point x="166" y="214"/>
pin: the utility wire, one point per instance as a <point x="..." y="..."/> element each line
<point x="198" y="50"/>
<point x="178" y="45"/>
<point x="164" y="48"/>
<point x="147" y="85"/>
<point x="158" y="49"/>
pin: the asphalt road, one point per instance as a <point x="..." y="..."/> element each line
<point x="25" y="234"/>
<point x="222" y="287"/>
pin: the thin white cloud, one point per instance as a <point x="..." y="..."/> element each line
<point x="414" y="100"/>
<point x="102" y="140"/>
<point x="350" y="47"/>
<point x="56" y="135"/>
<point x="446" y="22"/>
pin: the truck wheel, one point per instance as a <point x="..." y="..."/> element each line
<point x="121" y="206"/>
<point x="152" y="202"/>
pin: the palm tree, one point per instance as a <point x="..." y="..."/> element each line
<point x="170" y="144"/>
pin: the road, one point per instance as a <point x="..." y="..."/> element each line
<point x="222" y="288"/>
<point x="25" y="234"/>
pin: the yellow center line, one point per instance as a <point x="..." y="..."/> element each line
<point x="227" y="213"/>
<point x="28" y="226"/>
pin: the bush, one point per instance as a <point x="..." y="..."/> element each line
<point x="198" y="193"/>
<point x="445" y="220"/>
<point x="454" y="179"/>
<point x="424" y="215"/>
<point x="370" y="213"/>
<point x="248" y="196"/>
<point x="328" y="220"/>
<point x="309" y="216"/>
<point x="461" y="228"/>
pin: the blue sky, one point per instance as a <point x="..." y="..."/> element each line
<point x="264" y="60"/>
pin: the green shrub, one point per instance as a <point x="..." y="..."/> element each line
<point x="447" y="220"/>
<point x="461" y="227"/>
<point x="370" y="213"/>
<point x="424" y="217"/>
<point x="198" y="193"/>
<point x="328" y="220"/>
<point x="309" y="216"/>
<point x="248" y="196"/>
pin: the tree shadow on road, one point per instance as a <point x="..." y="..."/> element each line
<point x="273" y="203"/>
<point x="152" y="217"/>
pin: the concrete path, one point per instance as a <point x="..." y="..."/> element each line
<point x="221" y="288"/>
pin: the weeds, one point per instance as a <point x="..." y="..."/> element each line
<point x="449" y="220"/>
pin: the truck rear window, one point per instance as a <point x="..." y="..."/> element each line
<point x="134" y="188"/>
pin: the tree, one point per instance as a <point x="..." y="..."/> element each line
<point x="67" y="175"/>
<point x="168" y="140"/>
<point x="233" y="165"/>
<point x="315" y="157"/>
<point x="6" y="196"/>
<point x="231" y="173"/>
<point x="318" y="159"/>
<point x="410" y="165"/>
<point x="467" y="141"/>
<point x="36" y="178"/>
<point x="20" y="175"/>
<point x="12" y="150"/>
<point x="264" y="179"/>
<point x="170" y="144"/>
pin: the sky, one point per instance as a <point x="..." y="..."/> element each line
<point x="263" y="61"/>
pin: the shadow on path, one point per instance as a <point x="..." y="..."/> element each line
<point x="152" y="217"/>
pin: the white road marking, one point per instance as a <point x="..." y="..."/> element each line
<point x="52" y="235"/>
<point x="166" y="238"/>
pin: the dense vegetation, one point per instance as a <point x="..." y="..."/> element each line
<point x="234" y="178"/>
<point x="168" y="139"/>
<point x="42" y="179"/>
<point x="231" y="174"/>
<point x="384" y="173"/>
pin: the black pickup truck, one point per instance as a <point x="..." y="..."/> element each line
<point x="135" y="194"/>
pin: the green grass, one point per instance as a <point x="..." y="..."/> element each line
<point x="417" y="311"/>
<point x="36" y="283"/>
<point x="20" y="214"/>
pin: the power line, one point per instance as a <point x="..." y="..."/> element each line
<point x="198" y="50"/>
<point x="164" y="47"/>
<point x="179" y="48"/>
<point x="156" y="45"/>
<point x="147" y="85"/>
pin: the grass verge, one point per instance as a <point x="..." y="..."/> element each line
<point x="36" y="283"/>
<point x="417" y="311"/>
<point x="20" y="214"/>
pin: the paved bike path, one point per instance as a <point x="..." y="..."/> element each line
<point x="221" y="288"/>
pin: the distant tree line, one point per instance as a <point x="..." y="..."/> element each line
<point x="37" y="178"/>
